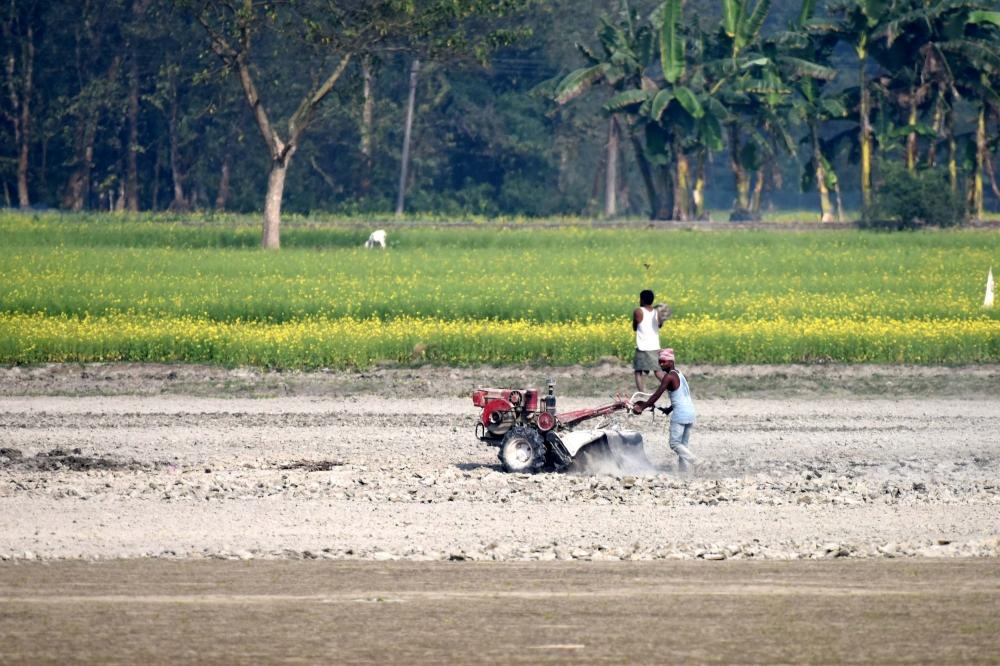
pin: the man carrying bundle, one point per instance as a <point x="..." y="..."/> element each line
<point x="646" y="324"/>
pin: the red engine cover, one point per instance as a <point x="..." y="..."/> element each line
<point x="496" y="405"/>
<point x="529" y="397"/>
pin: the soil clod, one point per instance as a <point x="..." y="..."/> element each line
<point x="58" y="460"/>
<point x="312" y="465"/>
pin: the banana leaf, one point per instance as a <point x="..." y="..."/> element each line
<point x="626" y="99"/>
<point x="689" y="101"/>
<point x="660" y="103"/>
<point x="577" y="82"/>
<point x="800" y="67"/>
<point x="671" y="42"/>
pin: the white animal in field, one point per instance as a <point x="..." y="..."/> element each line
<point x="376" y="239"/>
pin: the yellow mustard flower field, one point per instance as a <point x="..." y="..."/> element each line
<point x="105" y="289"/>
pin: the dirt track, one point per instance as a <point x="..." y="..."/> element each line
<point x="915" y="611"/>
<point x="331" y="471"/>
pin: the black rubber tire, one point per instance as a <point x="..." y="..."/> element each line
<point x="522" y="450"/>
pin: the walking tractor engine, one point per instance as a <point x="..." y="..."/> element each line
<point x="532" y="436"/>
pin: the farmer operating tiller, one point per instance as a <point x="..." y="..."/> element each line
<point x="532" y="435"/>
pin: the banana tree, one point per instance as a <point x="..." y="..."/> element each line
<point x="856" y="22"/>
<point x="814" y="109"/>
<point x="985" y="91"/>
<point x="812" y="53"/>
<point x="971" y="48"/>
<point x="922" y="73"/>
<point x="682" y="120"/>
<point x="689" y="126"/>
<point x="742" y="21"/>
<point x="748" y="83"/>
<point x="938" y="54"/>
<point x="626" y="48"/>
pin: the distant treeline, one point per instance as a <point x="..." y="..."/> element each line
<point x="519" y="107"/>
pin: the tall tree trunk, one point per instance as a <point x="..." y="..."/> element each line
<point x="20" y="100"/>
<point x="24" y="141"/>
<point x="977" y="195"/>
<point x="774" y="175"/>
<point x="938" y="130"/>
<point x="911" y="137"/>
<point x="595" y="185"/>
<point x="698" y="192"/>
<point x="279" y="151"/>
<point x="741" y="175"/>
<point x="646" y="171"/>
<point x="682" y="193"/>
<point x="666" y="199"/>
<point x="952" y="153"/>
<point x="154" y="203"/>
<point x="177" y="172"/>
<point x="826" y="208"/>
<point x="407" y="129"/>
<point x="119" y="198"/>
<point x="78" y="187"/>
<point x="272" y="203"/>
<point x="624" y="195"/>
<point x="865" y="138"/>
<point x="840" y="201"/>
<point x="562" y="148"/>
<point x="43" y="162"/>
<point x="132" y="149"/>
<point x="758" y="189"/>
<point x="611" y="172"/>
<point x="367" y="125"/>
<point x="222" y="196"/>
<point x="139" y="8"/>
<point x="993" y="176"/>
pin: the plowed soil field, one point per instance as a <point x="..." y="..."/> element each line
<point x="188" y="462"/>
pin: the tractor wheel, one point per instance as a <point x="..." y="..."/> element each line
<point x="522" y="450"/>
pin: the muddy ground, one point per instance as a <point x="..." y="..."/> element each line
<point x="914" y="611"/>
<point x="108" y="461"/>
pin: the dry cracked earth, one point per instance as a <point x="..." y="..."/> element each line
<point x="112" y="461"/>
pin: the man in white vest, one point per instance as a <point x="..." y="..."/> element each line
<point x="681" y="410"/>
<point x="646" y="324"/>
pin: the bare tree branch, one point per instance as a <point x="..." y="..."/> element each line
<point x="302" y="116"/>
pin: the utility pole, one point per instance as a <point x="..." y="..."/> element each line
<point x="414" y="70"/>
<point x="611" y="175"/>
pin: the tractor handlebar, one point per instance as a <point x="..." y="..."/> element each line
<point x="640" y="396"/>
<point x="570" y="419"/>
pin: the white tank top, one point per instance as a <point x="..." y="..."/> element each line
<point x="681" y="401"/>
<point x="647" y="334"/>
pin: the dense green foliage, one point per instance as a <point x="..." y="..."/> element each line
<point x="122" y="104"/>
<point x="906" y="200"/>
<point x="75" y="289"/>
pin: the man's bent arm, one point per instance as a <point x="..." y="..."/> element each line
<point x="646" y="404"/>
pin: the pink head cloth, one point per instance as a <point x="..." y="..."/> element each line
<point x="666" y="354"/>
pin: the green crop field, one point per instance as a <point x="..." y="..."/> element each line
<point x="88" y="288"/>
